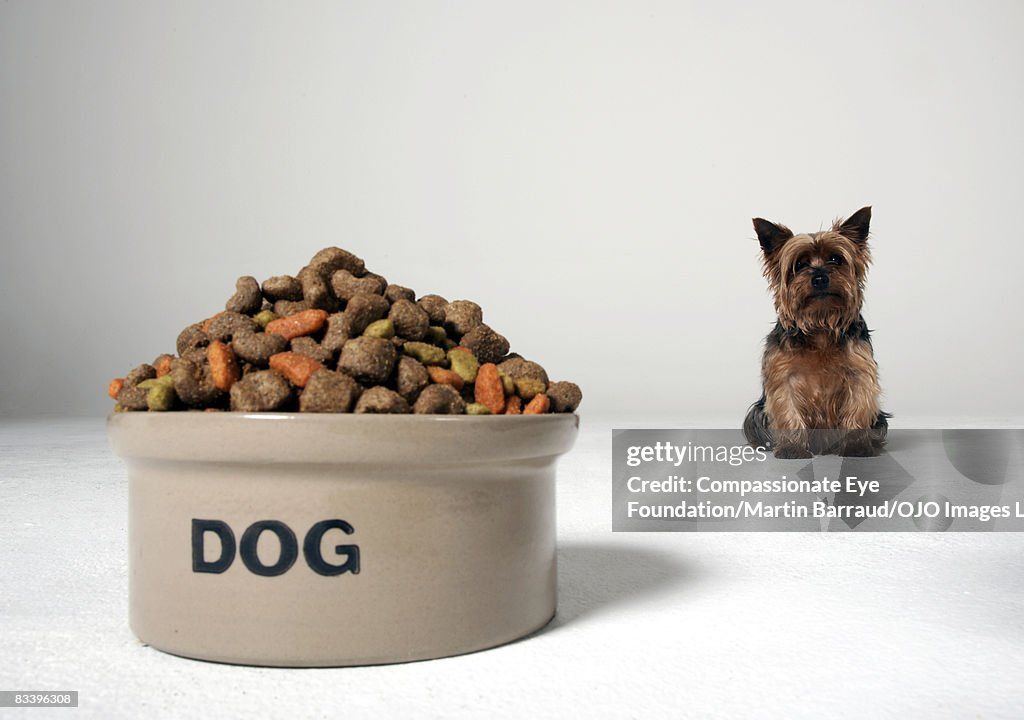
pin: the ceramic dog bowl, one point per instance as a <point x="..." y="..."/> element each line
<point x="326" y="540"/>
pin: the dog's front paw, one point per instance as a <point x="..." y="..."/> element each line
<point x="792" y="452"/>
<point x="858" y="443"/>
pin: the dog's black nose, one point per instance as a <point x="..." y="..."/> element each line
<point x="819" y="281"/>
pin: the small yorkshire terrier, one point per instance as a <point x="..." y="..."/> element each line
<point x="820" y="381"/>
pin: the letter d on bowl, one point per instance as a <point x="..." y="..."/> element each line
<point x="227" y="546"/>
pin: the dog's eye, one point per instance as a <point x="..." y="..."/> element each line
<point x="800" y="265"/>
<point x="836" y="259"/>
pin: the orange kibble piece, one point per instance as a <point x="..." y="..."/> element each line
<point x="514" y="405"/>
<point x="223" y="365"/>
<point x="295" y="366"/>
<point x="488" y="390"/>
<point x="538" y="406"/>
<point x="306" y="322"/>
<point x="115" y="387"/>
<point x="441" y="376"/>
<point x="163" y="367"/>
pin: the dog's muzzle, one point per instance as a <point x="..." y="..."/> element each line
<point x="819" y="280"/>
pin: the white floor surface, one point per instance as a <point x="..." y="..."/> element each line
<point x="649" y="625"/>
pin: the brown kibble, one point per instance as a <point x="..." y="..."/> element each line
<point x="394" y="293"/>
<point x="488" y="389"/>
<point x="224" y="367"/>
<point x="369" y="360"/>
<point x="513" y="405"/>
<point x="565" y="396"/>
<point x="331" y="259"/>
<point x="487" y="345"/>
<point x="260" y="392"/>
<point x="247" y="298"/>
<point x="363" y="309"/>
<point x="439" y="400"/>
<point x="411" y="322"/>
<point x="287" y="308"/>
<point x="295" y="366"/>
<point x="311" y="348"/>
<point x="226" y="325"/>
<point x="329" y="392"/>
<point x="445" y="377"/>
<point x="538" y="406"/>
<point x="381" y="400"/>
<point x="282" y="287"/>
<point x="197" y="355"/>
<point x="206" y="323"/>
<point x="257" y="347"/>
<point x="433" y="306"/>
<point x="461" y="316"/>
<point x="306" y="322"/>
<point x="193" y="381"/>
<point x="133" y="398"/>
<point x="315" y="290"/>
<point x="346" y="285"/>
<point x="145" y="371"/>
<point x="379" y="278"/>
<point x="115" y="387"/>
<point x="191" y="338"/>
<point x="410" y="377"/>
<point x="337" y="333"/>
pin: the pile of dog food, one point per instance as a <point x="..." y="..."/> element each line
<point x="336" y="338"/>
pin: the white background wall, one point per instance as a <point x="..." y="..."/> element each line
<point x="586" y="171"/>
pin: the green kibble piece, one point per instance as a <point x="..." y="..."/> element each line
<point x="383" y="329"/>
<point x="119" y="408"/>
<point x="464" y="364"/>
<point x="424" y="352"/>
<point x="436" y="335"/>
<point x="449" y="344"/>
<point x="264" y="317"/>
<point x="160" y="397"/>
<point x="527" y="388"/>
<point x="507" y="383"/>
<point x="165" y="381"/>
<point x="477" y="409"/>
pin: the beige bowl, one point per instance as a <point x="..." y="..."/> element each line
<point x="325" y="540"/>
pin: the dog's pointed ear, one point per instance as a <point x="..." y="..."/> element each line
<point x="856" y="226"/>
<point x="770" y="235"/>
